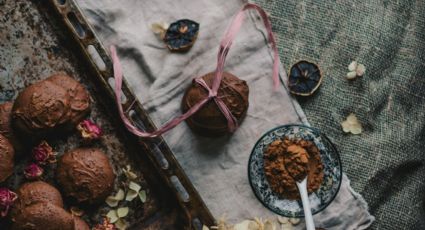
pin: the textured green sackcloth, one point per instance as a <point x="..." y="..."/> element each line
<point x="386" y="162"/>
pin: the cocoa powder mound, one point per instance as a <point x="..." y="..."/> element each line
<point x="286" y="161"/>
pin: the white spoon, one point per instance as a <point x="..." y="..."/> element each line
<point x="302" y="187"/>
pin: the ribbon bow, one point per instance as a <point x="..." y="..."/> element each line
<point x="225" y="45"/>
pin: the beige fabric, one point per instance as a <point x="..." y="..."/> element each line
<point x="217" y="167"/>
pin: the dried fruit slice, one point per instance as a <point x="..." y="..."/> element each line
<point x="181" y="35"/>
<point x="304" y="78"/>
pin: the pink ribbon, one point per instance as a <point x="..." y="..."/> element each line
<point x="225" y="44"/>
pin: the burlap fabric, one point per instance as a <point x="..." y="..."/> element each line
<point x="386" y="162"/>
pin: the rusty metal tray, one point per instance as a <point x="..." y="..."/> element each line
<point x="39" y="38"/>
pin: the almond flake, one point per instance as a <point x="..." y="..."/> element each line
<point x="122" y="212"/>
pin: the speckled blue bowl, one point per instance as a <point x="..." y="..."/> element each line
<point x="320" y="199"/>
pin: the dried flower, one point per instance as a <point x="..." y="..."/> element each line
<point x="160" y="29"/>
<point x="43" y="154"/>
<point x="75" y="211"/>
<point x="121" y="224"/>
<point x="33" y="171"/>
<point x="128" y="173"/>
<point x="7" y="198"/>
<point x="112" y="201"/>
<point x="355" y="70"/>
<point x="105" y="225"/>
<point x="89" y="130"/>
<point x="352" y="125"/>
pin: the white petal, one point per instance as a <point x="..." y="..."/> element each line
<point x="287" y="226"/>
<point x="352" y="66"/>
<point x="120" y="195"/>
<point x="351" y="75"/>
<point x="352" y="119"/>
<point x="268" y="225"/>
<point x="121" y="224"/>
<point x="282" y="219"/>
<point x="158" y="28"/>
<point x="294" y="221"/>
<point x="346" y="127"/>
<point x="111" y="201"/>
<point x="356" y="129"/>
<point x="142" y="196"/>
<point x="360" y="70"/>
<point x="134" y="186"/>
<point x="131" y="195"/>
<point x="122" y="212"/>
<point x="112" y="216"/>
<point x="243" y="225"/>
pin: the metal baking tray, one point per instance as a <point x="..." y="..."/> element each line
<point x="40" y="38"/>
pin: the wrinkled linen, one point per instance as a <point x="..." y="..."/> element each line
<point x="216" y="166"/>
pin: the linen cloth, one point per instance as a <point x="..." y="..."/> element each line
<point x="386" y="163"/>
<point x="216" y="166"/>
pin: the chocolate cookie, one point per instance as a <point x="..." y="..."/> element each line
<point x="86" y="175"/>
<point x="35" y="192"/>
<point x="7" y="154"/>
<point x="55" y="104"/>
<point x="45" y="216"/>
<point x="209" y="120"/>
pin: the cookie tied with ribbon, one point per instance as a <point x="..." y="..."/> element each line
<point x="209" y="120"/>
<point x="216" y="103"/>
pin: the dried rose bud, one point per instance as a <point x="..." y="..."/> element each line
<point x="105" y="225"/>
<point x="89" y="130"/>
<point x="7" y="198"/>
<point x="33" y="171"/>
<point x="43" y="153"/>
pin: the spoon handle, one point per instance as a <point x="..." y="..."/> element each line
<point x="302" y="186"/>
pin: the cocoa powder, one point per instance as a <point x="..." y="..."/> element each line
<point x="286" y="161"/>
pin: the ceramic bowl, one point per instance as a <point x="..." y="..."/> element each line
<point x="319" y="199"/>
